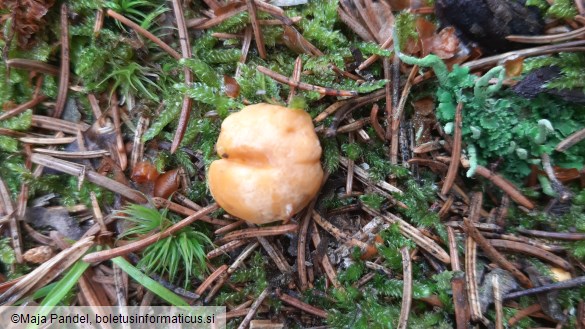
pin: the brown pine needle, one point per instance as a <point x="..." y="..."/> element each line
<point x="305" y="86"/>
<point x="144" y="33"/>
<point x="64" y="75"/>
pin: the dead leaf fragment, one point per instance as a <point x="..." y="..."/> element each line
<point x="38" y="255"/>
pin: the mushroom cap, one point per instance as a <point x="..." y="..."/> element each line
<point x="270" y="163"/>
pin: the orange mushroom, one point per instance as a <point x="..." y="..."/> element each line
<point x="270" y="163"/>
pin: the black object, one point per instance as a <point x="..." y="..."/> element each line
<point x="488" y="22"/>
<point x="535" y="83"/>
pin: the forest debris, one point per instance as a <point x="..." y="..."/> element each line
<point x="38" y="255"/>
<point x="64" y="75"/>
<point x="300" y="305"/>
<point x="407" y="288"/>
<point x="56" y="217"/>
<point x="489" y="22"/>
<point x="571" y="140"/>
<point x="46" y="272"/>
<point x="305" y="86"/>
<point x="257" y="231"/>
<point x="532" y="251"/>
<point x="7" y="208"/>
<point x="489" y="249"/>
<point x="471" y="262"/>
<point x="413" y="233"/>
<point x="455" y="152"/>
<point x="79" y="171"/>
<point x="254" y="308"/>
<point x="186" y="53"/>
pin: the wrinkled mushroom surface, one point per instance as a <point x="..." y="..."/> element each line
<point x="270" y="163"/>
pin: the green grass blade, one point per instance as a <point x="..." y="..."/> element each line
<point x="149" y="283"/>
<point x="60" y="290"/>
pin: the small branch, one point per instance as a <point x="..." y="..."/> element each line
<point x="64" y="75"/>
<point x="305" y="86"/>
<point x="202" y="24"/>
<point x="141" y="244"/>
<point x="453" y="251"/>
<point x="406" y="289"/>
<point x="455" y="153"/>
<point x="72" y="155"/>
<point x="59" y="125"/>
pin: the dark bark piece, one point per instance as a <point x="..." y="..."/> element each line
<point x="535" y="83"/>
<point x="488" y="22"/>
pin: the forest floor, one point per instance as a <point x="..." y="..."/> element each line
<point x="452" y="145"/>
